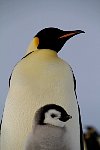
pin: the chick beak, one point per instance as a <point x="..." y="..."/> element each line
<point x="65" y="118"/>
<point x="69" y="117"/>
<point x="69" y="34"/>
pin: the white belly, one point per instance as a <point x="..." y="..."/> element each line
<point x="32" y="86"/>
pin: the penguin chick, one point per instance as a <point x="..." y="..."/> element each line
<point x="48" y="131"/>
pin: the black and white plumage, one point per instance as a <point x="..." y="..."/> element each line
<point x="41" y="77"/>
<point x="48" y="131"/>
<point x="92" y="138"/>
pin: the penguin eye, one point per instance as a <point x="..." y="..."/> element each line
<point x="53" y="115"/>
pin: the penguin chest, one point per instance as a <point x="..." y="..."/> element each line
<point x="43" y="82"/>
<point x="34" y="84"/>
<point x="49" y="138"/>
<point x="37" y="82"/>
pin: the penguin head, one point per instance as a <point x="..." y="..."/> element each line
<point x="92" y="131"/>
<point x="53" y="38"/>
<point x="52" y="114"/>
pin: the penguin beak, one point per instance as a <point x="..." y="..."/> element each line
<point x="69" y="34"/>
<point x="69" y="117"/>
<point x="65" y="118"/>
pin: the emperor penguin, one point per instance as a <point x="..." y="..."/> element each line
<point x="41" y="78"/>
<point x="48" y="130"/>
<point x="92" y="137"/>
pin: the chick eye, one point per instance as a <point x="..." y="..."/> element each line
<point x="53" y="115"/>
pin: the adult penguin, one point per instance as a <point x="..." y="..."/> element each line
<point x="41" y="78"/>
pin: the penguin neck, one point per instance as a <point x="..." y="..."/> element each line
<point x="32" y="47"/>
<point x="47" y="52"/>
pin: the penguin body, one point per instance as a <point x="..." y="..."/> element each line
<point x="47" y="138"/>
<point x="40" y="78"/>
<point x="91" y="138"/>
<point x="49" y="130"/>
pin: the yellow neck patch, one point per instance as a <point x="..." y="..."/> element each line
<point x="33" y="45"/>
<point x="36" y="42"/>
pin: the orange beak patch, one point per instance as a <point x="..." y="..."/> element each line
<point x="67" y="35"/>
<point x="71" y="33"/>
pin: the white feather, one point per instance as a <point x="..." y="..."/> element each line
<point x="39" y="79"/>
